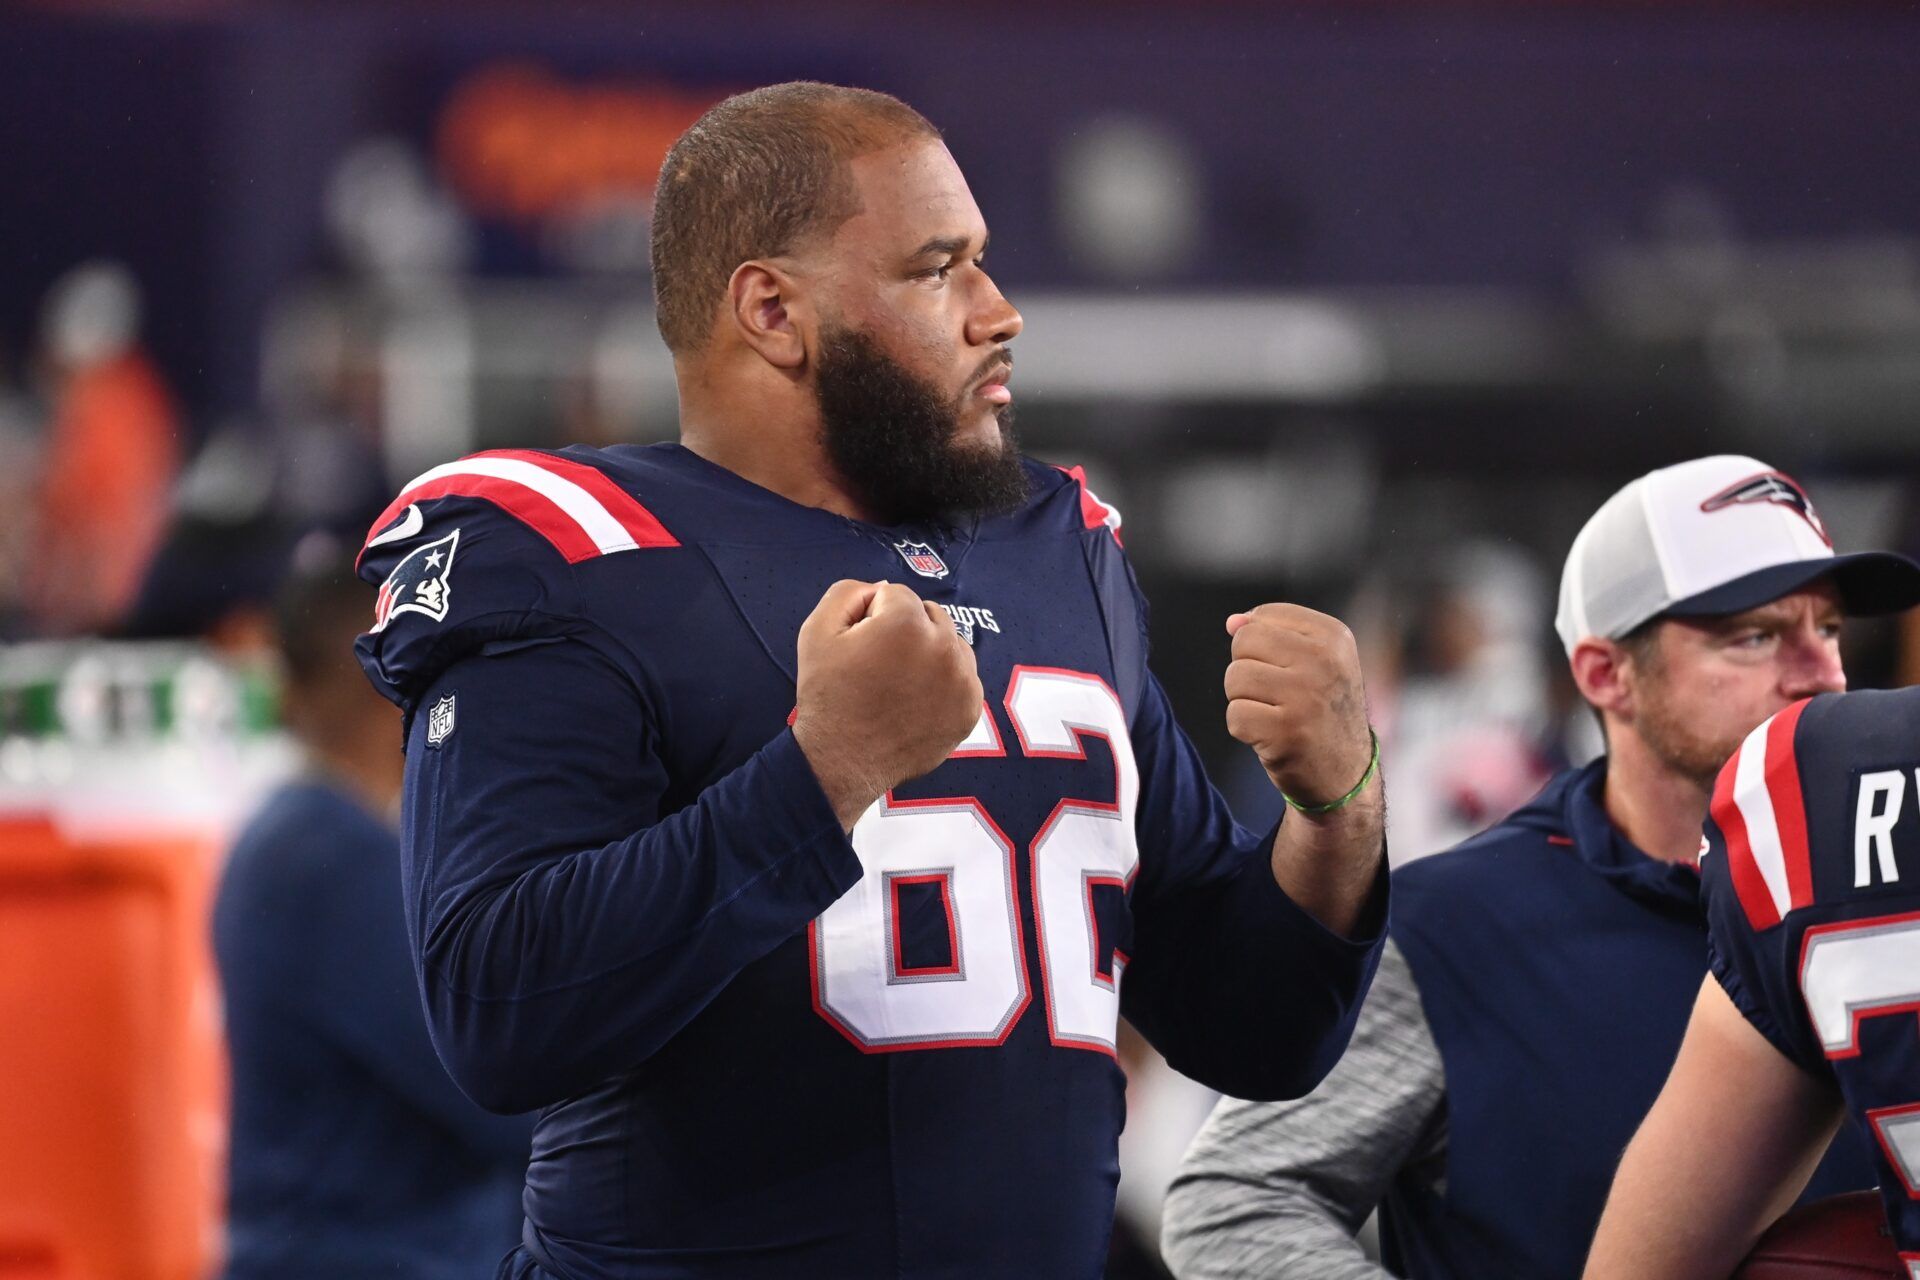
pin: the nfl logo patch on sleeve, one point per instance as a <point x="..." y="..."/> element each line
<point x="440" y="721"/>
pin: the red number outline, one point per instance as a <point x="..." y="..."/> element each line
<point x="895" y="948"/>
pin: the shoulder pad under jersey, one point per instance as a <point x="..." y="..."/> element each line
<point x="482" y="550"/>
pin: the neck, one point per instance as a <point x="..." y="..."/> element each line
<point x="374" y="778"/>
<point x="771" y="437"/>
<point x="1658" y="810"/>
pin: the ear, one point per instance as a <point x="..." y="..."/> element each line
<point x="763" y="302"/>
<point x="1603" y="672"/>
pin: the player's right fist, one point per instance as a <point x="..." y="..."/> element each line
<point x="887" y="690"/>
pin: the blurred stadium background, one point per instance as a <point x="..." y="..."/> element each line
<point x="1362" y="305"/>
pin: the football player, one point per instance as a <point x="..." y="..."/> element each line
<point x="1811" y="867"/>
<point x="805" y="918"/>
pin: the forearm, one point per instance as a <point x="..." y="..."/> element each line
<point x="1328" y="863"/>
<point x="1728" y="1145"/>
<point x="1680" y="1209"/>
<point x="586" y="963"/>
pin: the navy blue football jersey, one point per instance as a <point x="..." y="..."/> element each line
<point x="762" y="1048"/>
<point x="1812" y="877"/>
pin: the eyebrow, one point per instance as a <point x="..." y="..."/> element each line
<point x="947" y="246"/>
<point x="1772" y="611"/>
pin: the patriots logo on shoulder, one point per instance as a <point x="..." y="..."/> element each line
<point x="922" y="559"/>
<point x="420" y="583"/>
<point x="1770" y="486"/>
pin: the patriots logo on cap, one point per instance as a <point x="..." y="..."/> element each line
<point x="419" y="583"/>
<point x="922" y="559"/>
<point x="1770" y="486"/>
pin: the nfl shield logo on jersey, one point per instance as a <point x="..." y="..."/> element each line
<point x="419" y="583"/>
<point x="440" y="721"/>
<point x="922" y="559"/>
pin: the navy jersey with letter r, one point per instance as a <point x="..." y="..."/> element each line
<point x="760" y="1048"/>
<point x="1812" y="876"/>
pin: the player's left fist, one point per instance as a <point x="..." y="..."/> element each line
<point x="1296" y="696"/>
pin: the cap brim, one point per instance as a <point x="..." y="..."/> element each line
<point x="1869" y="582"/>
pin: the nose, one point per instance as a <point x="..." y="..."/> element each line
<point x="1811" y="664"/>
<point x="994" y="321"/>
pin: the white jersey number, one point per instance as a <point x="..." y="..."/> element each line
<point x="1865" y="969"/>
<point x="953" y="848"/>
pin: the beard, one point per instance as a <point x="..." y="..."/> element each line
<point x="891" y="436"/>
<point x="1676" y="740"/>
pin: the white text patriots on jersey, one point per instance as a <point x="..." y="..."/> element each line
<point x="967" y="617"/>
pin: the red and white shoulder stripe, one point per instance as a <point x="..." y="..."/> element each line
<point x="1093" y="511"/>
<point x="573" y="506"/>
<point x="1760" y="810"/>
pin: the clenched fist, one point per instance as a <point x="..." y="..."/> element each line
<point x="887" y="690"/>
<point x="1295" y="695"/>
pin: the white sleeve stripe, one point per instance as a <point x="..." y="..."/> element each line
<point x="580" y="506"/>
<point x="1755" y="803"/>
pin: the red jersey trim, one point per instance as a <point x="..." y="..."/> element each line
<point x="1095" y="513"/>
<point x="595" y="499"/>
<point x="1748" y="884"/>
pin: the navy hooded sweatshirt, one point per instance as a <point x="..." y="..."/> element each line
<point x="1557" y="965"/>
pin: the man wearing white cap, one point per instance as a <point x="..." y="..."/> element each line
<point x="1538" y="978"/>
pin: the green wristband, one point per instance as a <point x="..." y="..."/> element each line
<point x="1333" y="806"/>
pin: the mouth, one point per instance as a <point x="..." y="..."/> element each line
<point x="993" y="388"/>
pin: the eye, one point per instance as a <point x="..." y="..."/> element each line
<point x="1751" y="639"/>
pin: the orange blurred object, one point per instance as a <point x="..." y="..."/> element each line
<point x="112" y="1076"/>
<point x="113" y="451"/>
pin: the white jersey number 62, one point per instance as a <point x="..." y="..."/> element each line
<point x="952" y="846"/>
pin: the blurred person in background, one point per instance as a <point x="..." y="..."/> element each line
<point x="225" y="550"/>
<point x="255" y="489"/>
<point x="322" y="392"/>
<point x="20" y="449"/>
<point x="111" y="453"/>
<point x="1907" y="662"/>
<point x="352" y="1153"/>
<point x="1458" y="693"/>
<point x="1461" y="732"/>
<point x="1537" y="979"/>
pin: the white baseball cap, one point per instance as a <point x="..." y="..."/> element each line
<point x="1711" y="537"/>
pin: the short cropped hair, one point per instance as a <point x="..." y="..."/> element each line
<point x="753" y="176"/>
<point x="319" y="608"/>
